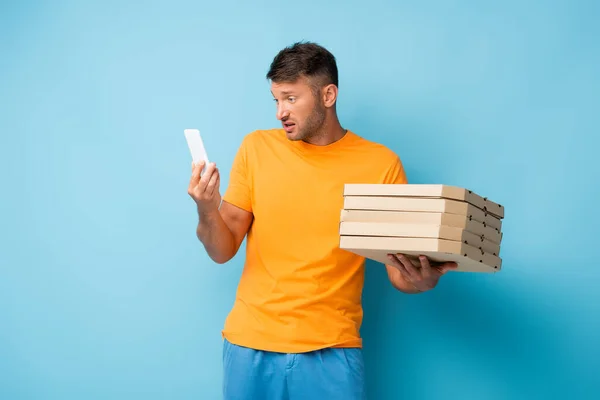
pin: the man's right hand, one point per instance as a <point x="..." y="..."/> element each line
<point x="204" y="189"/>
<point x="221" y="228"/>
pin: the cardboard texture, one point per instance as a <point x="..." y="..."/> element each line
<point x="444" y="223"/>
<point x="426" y="191"/>
<point x="415" y="204"/>
<point x="432" y="218"/>
<point x="468" y="258"/>
<point x="391" y="229"/>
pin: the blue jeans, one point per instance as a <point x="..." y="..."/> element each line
<point x="330" y="374"/>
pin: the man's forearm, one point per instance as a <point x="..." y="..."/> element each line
<point x="216" y="237"/>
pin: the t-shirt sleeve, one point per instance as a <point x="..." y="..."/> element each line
<point x="239" y="190"/>
<point x="396" y="173"/>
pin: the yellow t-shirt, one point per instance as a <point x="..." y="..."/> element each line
<point x="298" y="290"/>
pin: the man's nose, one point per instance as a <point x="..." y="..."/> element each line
<point x="282" y="112"/>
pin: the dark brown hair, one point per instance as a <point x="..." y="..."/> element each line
<point x="304" y="59"/>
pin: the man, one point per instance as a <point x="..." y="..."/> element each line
<point x="293" y="332"/>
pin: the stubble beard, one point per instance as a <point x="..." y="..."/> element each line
<point x="313" y="125"/>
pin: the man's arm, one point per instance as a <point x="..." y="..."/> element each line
<point x="397" y="175"/>
<point x="221" y="225"/>
<point x="222" y="231"/>
<point x="402" y="273"/>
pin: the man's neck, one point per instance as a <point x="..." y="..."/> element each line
<point x="330" y="132"/>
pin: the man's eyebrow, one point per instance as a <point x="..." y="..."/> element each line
<point x="284" y="93"/>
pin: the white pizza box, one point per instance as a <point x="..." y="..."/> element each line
<point x="468" y="258"/>
<point x="393" y="229"/>
<point x="413" y="204"/>
<point x="426" y="191"/>
<point x="428" y="218"/>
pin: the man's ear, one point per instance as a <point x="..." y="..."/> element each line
<point x="329" y="95"/>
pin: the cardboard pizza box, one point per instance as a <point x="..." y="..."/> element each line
<point x="430" y="218"/>
<point x="393" y="229"/>
<point x="412" y="204"/>
<point x="468" y="258"/>
<point x="426" y="191"/>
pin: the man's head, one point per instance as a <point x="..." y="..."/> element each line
<point x="304" y="84"/>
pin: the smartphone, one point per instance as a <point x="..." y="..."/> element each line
<point x="196" y="146"/>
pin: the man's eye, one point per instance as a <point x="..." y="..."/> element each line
<point x="292" y="99"/>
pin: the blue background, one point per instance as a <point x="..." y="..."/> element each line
<point x="105" y="292"/>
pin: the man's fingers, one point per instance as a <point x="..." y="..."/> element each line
<point x="196" y="170"/>
<point x="210" y="188"/>
<point x="412" y="270"/>
<point x="447" y="267"/>
<point x="215" y="188"/>
<point x="425" y="265"/>
<point x="395" y="262"/>
<point x="405" y="266"/>
<point x="195" y="178"/>
<point x="206" y="176"/>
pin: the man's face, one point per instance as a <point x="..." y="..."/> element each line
<point x="299" y="110"/>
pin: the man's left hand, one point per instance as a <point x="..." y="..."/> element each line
<point x="422" y="278"/>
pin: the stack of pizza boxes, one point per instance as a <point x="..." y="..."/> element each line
<point x="444" y="223"/>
